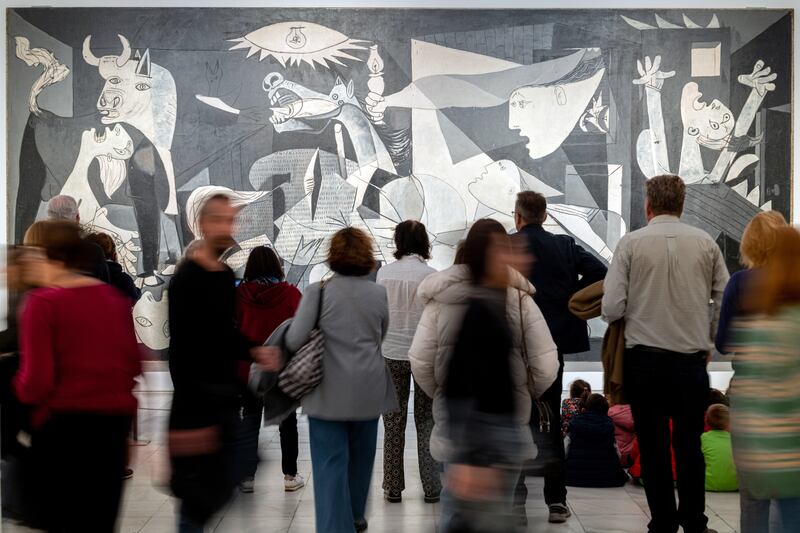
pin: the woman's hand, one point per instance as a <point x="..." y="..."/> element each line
<point x="269" y="358"/>
<point x="474" y="483"/>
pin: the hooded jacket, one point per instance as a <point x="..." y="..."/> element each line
<point x="592" y="459"/>
<point x="446" y="295"/>
<point x="260" y="309"/>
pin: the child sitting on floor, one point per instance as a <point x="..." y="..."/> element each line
<point x="592" y="455"/>
<point x="715" y="396"/>
<point x="572" y="405"/>
<point x="620" y="414"/>
<point x="717" y="451"/>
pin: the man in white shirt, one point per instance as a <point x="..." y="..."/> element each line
<point x="401" y="280"/>
<point x="662" y="282"/>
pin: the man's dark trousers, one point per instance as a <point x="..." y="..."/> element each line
<point x="661" y="386"/>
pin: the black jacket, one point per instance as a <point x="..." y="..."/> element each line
<point x="122" y="281"/>
<point x="592" y="459"/>
<point x="559" y="263"/>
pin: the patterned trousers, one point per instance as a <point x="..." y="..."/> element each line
<point x="395" y="434"/>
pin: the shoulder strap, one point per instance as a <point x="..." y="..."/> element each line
<point x="319" y="305"/>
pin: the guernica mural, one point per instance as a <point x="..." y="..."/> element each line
<point x="312" y="120"/>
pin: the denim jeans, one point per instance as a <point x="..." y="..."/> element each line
<point x="756" y="516"/>
<point x="496" y="516"/>
<point x="342" y="458"/>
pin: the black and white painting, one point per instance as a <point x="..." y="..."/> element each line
<point x="312" y="120"/>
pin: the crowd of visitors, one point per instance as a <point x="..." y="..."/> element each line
<point x="480" y="346"/>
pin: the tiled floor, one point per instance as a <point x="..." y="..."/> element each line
<point x="148" y="508"/>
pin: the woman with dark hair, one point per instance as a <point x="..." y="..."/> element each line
<point x="78" y="361"/>
<point x="483" y="352"/>
<point x="401" y="280"/>
<point x="263" y="301"/>
<point x="356" y="388"/>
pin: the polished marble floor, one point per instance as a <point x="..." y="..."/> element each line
<point x="148" y="508"/>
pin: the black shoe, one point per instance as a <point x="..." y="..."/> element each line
<point x="393" y="497"/>
<point x="361" y="525"/>
<point x="432" y="498"/>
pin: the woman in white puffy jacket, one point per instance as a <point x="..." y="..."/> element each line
<point x="446" y="295"/>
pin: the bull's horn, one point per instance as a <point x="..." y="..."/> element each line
<point x="123" y="57"/>
<point x="88" y="56"/>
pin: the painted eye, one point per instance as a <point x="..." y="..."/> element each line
<point x="714" y="125"/>
<point x="726" y="117"/>
<point x="114" y="80"/>
<point x="513" y="104"/>
<point x="335" y="96"/>
<point x="165" y="330"/>
<point x="144" y="322"/>
<point x="142" y="86"/>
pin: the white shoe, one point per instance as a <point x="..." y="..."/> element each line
<point x="248" y="485"/>
<point x="293" y="484"/>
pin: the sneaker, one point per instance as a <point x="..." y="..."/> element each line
<point x="393" y="497"/>
<point x="361" y="525"/>
<point x="559" y="512"/>
<point x="127" y="474"/>
<point x="248" y="485"/>
<point x="291" y="484"/>
<point x="432" y="498"/>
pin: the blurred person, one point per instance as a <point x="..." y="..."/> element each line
<point x="620" y="414"/>
<point x="356" y="388"/>
<point x="24" y="271"/>
<point x="204" y="351"/>
<point x="116" y="276"/>
<point x="661" y="281"/>
<point x="592" y="457"/>
<point x="264" y="300"/>
<point x="401" y="280"/>
<point x="483" y="287"/>
<point x="573" y="405"/>
<point x="562" y="268"/>
<point x="765" y="406"/>
<point x="79" y="358"/>
<point x="758" y="242"/>
<point x="718" y="451"/>
<point x="65" y="208"/>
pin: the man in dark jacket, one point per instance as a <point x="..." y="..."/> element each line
<point x="561" y="269"/>
<point x="205" y="348"/>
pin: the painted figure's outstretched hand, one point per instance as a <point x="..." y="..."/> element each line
<point x="651" y="74"/>
<point x="760" y="79"/>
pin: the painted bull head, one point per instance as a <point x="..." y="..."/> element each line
<point x="126" y="93"/>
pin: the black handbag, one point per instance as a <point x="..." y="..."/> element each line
<point x="543" y="422"/>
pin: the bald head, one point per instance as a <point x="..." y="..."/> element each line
<point x="63" y="207"/>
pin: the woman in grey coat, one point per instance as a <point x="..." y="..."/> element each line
<point x="343" y="411"/>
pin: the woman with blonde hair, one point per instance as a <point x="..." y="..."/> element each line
<point x="765" y="406"/>
<point x="758" y="243"/>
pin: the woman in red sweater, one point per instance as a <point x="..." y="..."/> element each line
<point x="78" y="362"/>
<point x="263" y="301"/>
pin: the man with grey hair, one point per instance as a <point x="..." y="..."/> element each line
<point x="661" y="282"/>
<point x="63" y="207"/>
